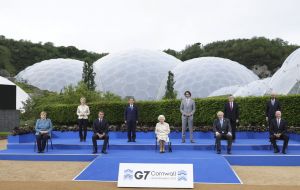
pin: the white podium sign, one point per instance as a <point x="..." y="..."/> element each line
<point x="156" y="175"/>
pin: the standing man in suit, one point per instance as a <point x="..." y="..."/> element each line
<point x="222" y="129"/>
<point x="231" y="112"/>
<point x="273" y="105"/>
<point x="187" y="109"/>
<point x="131" y="119"/>
<point x="100" y="128"/>
<point x="278" y="130"/>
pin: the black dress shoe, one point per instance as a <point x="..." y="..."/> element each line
<point x="228" y="152"/>
<point x="276" y="151"/>
<point x="103" y="152"/>
<point x="219" y="152"/>
<point x="81" y="140"/>
<point x="129" y="141"/>
<point x="283" y="152"/>
<point x="192" y="141"/>
<point x="95" y="152"/>
<point x="133" y="141"/>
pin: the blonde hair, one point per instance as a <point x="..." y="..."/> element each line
<point x="83" y="98"/>
<point x="161" y="117"/>
<point x="220" y="112"/>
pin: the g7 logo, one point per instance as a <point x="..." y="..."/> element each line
<point x="141" y="174"/>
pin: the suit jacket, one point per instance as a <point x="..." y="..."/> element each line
<point x="100" y="127"/>
<point x="233" y="114"/>
<point x="271" y="109"/>
<point x="187" y="108"/>
<point x="274" y="128"/>
<point x="224" y="129"/>
<point x="131" y="115"/>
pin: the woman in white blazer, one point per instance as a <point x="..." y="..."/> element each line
<point x="83" y="111"/>
<point x="162" y="131"/>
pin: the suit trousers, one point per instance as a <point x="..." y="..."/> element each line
<point x="41" y="140"/>
<point x="233" y="128"/>
<point x="223" y="137"/>
<point x="82" y="124"/>
<point x="96" y="137"/>
<point x="131" y="130"/>
<point x="187" y="121"/>
<point x="283" y="137"/>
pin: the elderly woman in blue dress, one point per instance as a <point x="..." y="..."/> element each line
<point x="162" y="131"/>
<point x="43" y="128"/>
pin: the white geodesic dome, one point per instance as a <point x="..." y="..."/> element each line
<point x="204" y="75"/>
<point x="287" y="79"/>
<point x="138" y="73"/>
<point x="255" y="88"/>
<point x="228" y="90"/>
<point x="52" y="74"/>
<point x="22" y="96"/>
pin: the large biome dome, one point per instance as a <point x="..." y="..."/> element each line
<point x="53" y="74"/>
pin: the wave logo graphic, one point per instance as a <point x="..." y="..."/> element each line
<point x="128" y="174"/>
<point x="182" y="175"/>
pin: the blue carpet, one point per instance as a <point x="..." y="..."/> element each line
<point x="208" y="168"/>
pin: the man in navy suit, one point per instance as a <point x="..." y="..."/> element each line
<point x="231" y="112"/>
<point x="222" y="129"/>
<point x="278" y="130"/>
<point x="131" y="119"/>
<point x="100" y="128"/>
<point x="272" y="106"/>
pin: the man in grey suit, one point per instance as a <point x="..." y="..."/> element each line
<point x="187" y="109"/>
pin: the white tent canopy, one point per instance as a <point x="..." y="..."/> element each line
<point x="22" y="96"/>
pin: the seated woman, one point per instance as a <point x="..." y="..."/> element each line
<point x="162" y="130"/>
<point x="43" y="128"/>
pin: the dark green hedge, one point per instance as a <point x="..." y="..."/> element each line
<point x="252" y="111"/>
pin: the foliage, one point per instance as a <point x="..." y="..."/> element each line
<point x="170" y="91"/>
<point x="249" y="52"/>
<point x="252" y="111"/>
<point x="70" y="95"/>
<point x="17" y="55"/>
<point x="88" y="75"/>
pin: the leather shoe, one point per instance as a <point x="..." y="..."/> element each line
<point x="94" y="152"/>
<point x="219" y="152"/>
<point x="276" y="151"/>
<point x="283" y="152"/>
<point x="133" y="141"/>
<point x="228" y="152"/>
<point x="129" y="141"/>
<point x="192" y="141"/>
<point x="103" y="152"/>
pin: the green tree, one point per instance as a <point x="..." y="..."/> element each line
<point x="170" y="92"/>
<point x="88" y="75"/>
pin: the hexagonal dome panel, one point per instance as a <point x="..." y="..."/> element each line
<point x="204" y="75"/>
<point x="138" y="73"/>
<point x="53" y="74"/>
<point x="287" y="79"/>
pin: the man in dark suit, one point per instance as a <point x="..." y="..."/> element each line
<point x="222" y="129"/>
<point x="272" y="106"/>
<point x="231" y="112"/>
<point x="131" y="119"/>
<point x="278" y="131"/>
<point x="100" y="128"/>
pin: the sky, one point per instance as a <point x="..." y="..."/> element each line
<point x="114" y="25"/>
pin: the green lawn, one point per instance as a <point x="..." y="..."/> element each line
<point x="4" y="134"/>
